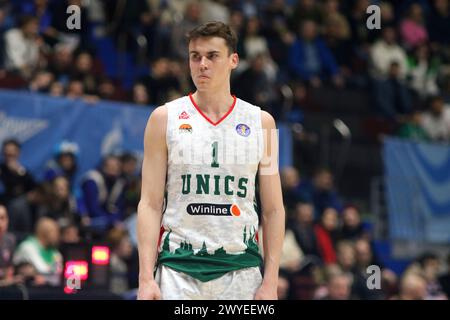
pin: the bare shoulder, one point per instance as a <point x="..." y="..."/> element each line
<point x="268" y="122"/>
<point x="157" y="122"/>
<point x="159" y="115"/>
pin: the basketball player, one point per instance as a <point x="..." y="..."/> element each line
<point x="206" y="151"/>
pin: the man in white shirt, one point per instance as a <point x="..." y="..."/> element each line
<point x="388" y="70"/>
<point x="22" y="46"/>
<point x="436" y="121"/>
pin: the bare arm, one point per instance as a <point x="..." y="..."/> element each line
<point x="273" y="215"/>
<point x="150" y="206"/>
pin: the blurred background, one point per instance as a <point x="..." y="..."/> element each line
<point x="364" y="121"/>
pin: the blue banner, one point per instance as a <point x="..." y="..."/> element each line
<point x="41" y="122"/>
<point x="417" y="179"/>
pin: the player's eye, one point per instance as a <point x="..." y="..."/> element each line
<point x="195" y="57"/>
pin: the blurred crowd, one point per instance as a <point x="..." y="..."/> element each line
<point x="294" y="44"/>
<point x="287" y="48"/>
<point x="38" y="218"/>
<point x="329" y="250"/>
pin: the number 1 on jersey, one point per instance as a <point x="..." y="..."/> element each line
<point x="215" y="163"/>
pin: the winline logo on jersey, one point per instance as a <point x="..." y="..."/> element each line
<point x="213" y="209"/>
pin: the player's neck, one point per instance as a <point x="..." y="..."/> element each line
<point x="216" y="103"/>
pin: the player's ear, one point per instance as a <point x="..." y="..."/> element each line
<point x="234" y="60"/>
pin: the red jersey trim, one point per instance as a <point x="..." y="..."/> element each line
<point x="206" y="117"/>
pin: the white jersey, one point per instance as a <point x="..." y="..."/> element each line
<point x="210" y="224"/>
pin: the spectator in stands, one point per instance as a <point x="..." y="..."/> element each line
<point x="388" y="18"/>
<point x="352" y="227"/>
<point x="283" y="287"/>
<point x="365" y="258"/>
<point x="133" y="182"/>
<point x="276" y="30"/>
<point x="412" y="287"/>
<point x="61" y="63"/>
<point x="86" y="71"/>
<point x="427" y="266"/>
<point x="22" y="47"/>
<point x="64" y="162"/>
<point x="161" y="82"/>
<point x="41" y="81"/>
<point x="292" y="255"/>
<point x="330" y="11"/>
<point x="140" y="94"/>
<point x="295" y="188"/>
<point x="26" y="273"/>
<point x="311" y="60"/>
<point x="215" y="10"/>
<point x="423" y="71"/>
<point x="346" y="256"/>
<point x="439" y="23"/>
<point x="40" y="250"/>
<point x="254" y="85"/>
<point x="190" y="19"/>
<point x="121" y="251"/>
<point x="56" y="89"/>
<point x="16" y="179"/>
<point x="388" y="71"/>
<point x="303" y="227"/>
<point x="6" y="20"/>
<point x="7" y="247"/>
<point x="326" y="232"/>
<point x="62" y="205"/>
<point x="70" y="234"/>
<point x="412" y="128"/>
<point x="255" y="47"/>
<point x="129" y="166"/>
<point x="430" y="265"/>
<point x="26" y="210"/>
<point x="41" y="10"/>
<point x="436" y="121"/>
<point x="336" y="36"/>
<point x="75" y="89"/>
<point x="338" y="287"/>
<point x="128" y="22"/>
<point x="108" y="90"/>
<point x="412" y="28"/>
<point x="305" y="10"/>
<point x="444" y="279"/>
<point x="324" y="193"/>
<point x="103" y="190"/>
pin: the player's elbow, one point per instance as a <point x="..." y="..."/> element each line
<point x="274" y="212"/>
<point x="149" y="206"/>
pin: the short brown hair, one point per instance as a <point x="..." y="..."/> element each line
<point x="215" y="29"/>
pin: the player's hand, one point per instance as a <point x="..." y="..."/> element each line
<point x="149" y="291"/>
<point x="266" y="292"/>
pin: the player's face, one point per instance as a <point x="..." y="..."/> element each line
<point x="210" y="62"/>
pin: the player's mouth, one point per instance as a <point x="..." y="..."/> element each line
<point x="202" y="76"/>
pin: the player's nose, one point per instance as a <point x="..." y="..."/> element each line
<point x="203" y="62"/>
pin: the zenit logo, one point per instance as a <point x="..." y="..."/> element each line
<point x="211" y="209"/>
